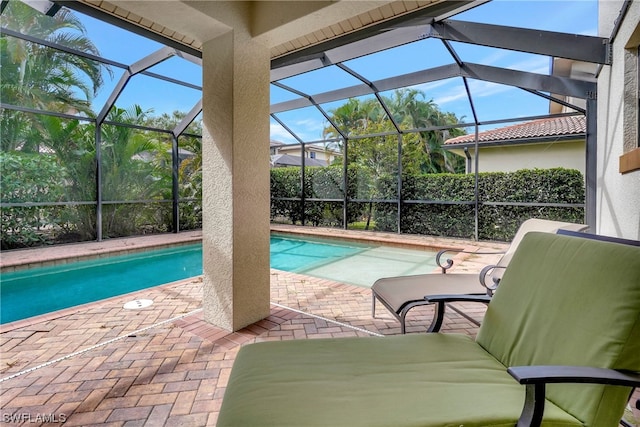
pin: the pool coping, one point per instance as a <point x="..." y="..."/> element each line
<point x="49" y="256"/>
<point x="19" y="259"/>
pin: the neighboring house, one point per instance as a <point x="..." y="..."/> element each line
<point x="290" y="155"/>
<point x="285" y="160"/>
<point x="545" y="143"/>
<point x="274" y="146"/>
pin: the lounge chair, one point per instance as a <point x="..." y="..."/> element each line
<point x="402" y="293"/>
<point x="567" y="311"/>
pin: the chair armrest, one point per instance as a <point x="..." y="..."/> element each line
<point x="449" y="261"/>
<point x="574" y="374"/>
<point x="491" y="287"/>
<point x="484" y="298"/>
<point x="440" y="305"/>
<point x="536" y="377"/>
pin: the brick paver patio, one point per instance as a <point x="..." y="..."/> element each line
<point x="103" y="365"/>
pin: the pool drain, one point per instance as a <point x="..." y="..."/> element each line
<point x="137" y="304"/>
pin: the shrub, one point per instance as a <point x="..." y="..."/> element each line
<point x="495" y="222"/>
<point x="450" y="207"/>
<point x="28" y="178"/>
<point x="320" y="183"/>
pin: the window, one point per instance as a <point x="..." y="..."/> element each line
<point x="312" y="154"/>
<point x="630" y="160"/>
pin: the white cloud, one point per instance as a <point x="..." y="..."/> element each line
<point x="278" y="133"/>
<point x="307" y="129"/>
<point x="537" y="64"/>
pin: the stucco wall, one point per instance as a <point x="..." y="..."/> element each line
<point x="568" y="155"/>
<point x="618" y="195"/>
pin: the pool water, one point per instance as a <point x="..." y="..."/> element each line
<point x="353" y="263"/>
<point x="37" y="291"/>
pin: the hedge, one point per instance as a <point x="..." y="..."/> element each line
<point x="320" y="183"/>
<point x="29" y="178"/>
<point x="440" y="217"/>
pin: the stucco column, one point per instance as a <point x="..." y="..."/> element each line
<point x="235" y="198"/>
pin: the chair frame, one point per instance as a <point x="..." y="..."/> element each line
<point x="490" y="288"/>
<point x="482" y="277"/>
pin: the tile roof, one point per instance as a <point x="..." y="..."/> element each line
<point x="542" y="128"/>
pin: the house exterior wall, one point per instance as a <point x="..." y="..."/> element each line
<point x="294" y="150"/>
<point x="618" y="194"/>
<point x="510" y="158"/>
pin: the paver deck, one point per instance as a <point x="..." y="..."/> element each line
<point x="103" y="365"/>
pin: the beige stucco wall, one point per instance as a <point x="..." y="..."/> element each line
<point x="568" y="155"/>
<point x="618" y="195"/>
<point x="235" y="198"/>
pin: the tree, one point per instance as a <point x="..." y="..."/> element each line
<point x="189" y="170"/>
<point x="377" y="157"/>
<point x="135" y="164"/>
<point x="39" y="77"/>
<point x="422" y="151"/>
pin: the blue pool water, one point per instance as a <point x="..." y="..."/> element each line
<point x="37" y="291"/>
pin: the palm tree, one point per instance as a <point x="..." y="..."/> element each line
<point x="423" y="150"/>
<point x="416" y="113"/>
<point x="39" y="77"/>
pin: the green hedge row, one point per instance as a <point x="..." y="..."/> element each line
<point x="320" y="183"/>
<point x="28" y="178"/>
<point x="440" y="217"/>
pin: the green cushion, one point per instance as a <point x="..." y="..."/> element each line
<point x="412" y="380"/>
<point x="569" y="300"/>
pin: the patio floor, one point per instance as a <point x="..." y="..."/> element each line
<point x="101" y="364"/>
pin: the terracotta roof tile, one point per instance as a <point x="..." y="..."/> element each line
<point x="542" y="128"/>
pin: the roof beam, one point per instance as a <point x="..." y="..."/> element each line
<point x="422" y="25"/>
<point x="376" y="43"/>
<point x="550" y="43"/>
<point x="187" y="119"/>
<point x="525" y="80"/>
<point x="137" y="67"/>
<point x="521" y="79"/>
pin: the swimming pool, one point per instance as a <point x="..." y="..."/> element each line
<point x="35" y="291"/>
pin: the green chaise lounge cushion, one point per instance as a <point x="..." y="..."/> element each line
<point x="413" y="380"/>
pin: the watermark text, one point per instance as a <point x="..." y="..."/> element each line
<point x="21" y="418"/>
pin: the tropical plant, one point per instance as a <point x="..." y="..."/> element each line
<point x="134" y="168"/>
<point x="27" y="178"/>
<point x="189" y="169"/>
<point x="39" y="77"/>
<point x="422" y="151"/>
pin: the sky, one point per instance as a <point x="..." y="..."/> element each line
<point x="491" y="101"/>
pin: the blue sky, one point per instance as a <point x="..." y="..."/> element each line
<point x="492" y="101"/>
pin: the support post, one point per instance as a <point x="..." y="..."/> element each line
<point x="235" y="198"/>
<point x="591" y="163"/>
<point x="98" y="181"/>
<point x="175" y="189"/>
